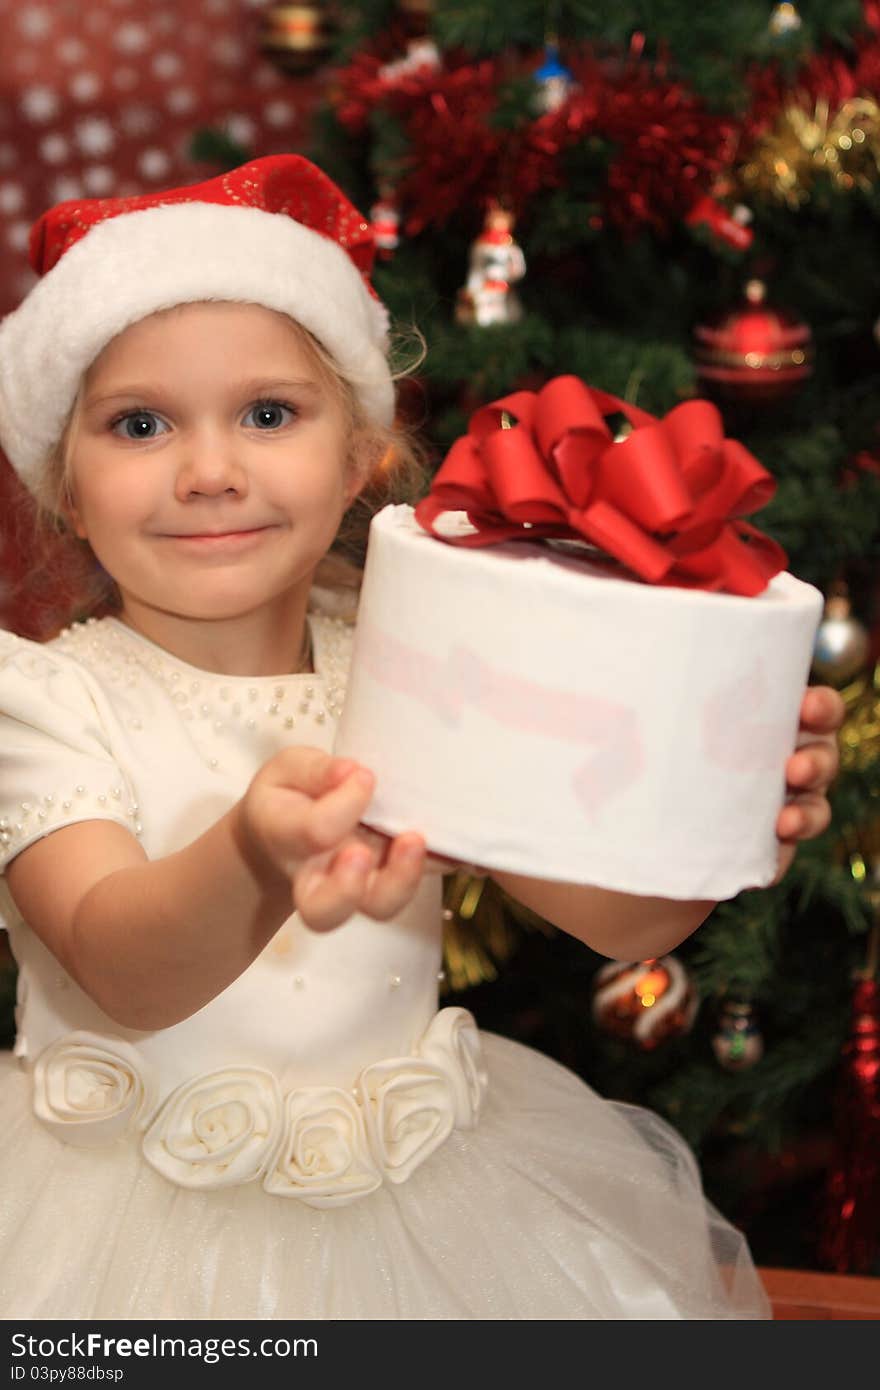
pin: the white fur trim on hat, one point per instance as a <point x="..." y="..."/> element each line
<point x="134" y="264"/>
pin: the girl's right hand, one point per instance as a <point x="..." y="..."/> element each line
<point x="301" y="812"/>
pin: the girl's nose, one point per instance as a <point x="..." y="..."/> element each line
<point x="210" y="465"/>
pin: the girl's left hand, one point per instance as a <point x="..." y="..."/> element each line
<point x="809" y="773"/>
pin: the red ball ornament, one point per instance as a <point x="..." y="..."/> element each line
<point x="753" y="353"/>
<point x="646" y="1002"/>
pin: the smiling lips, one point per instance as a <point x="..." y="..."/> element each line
<point x="218" y="539"/>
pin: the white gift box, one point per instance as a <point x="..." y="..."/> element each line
<point x="528" y="710"/>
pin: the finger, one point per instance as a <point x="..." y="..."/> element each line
<point x="334" y="815"/>
<point x="390" y="887"/>
<point x="328" y="890"/>
<point x="376" y="841"/>
<point x="783" y="862"/>
<point x="339" y="769"/>
<point x="822" y="710"/>
<point x="813" y="766"/>
<point x="309" y="770"/>
<point x="803" y="819"/>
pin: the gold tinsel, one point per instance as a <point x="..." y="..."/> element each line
<point x="481" y="929"/>
<point x="859" y="744"/>
<point x="806" y="144"/>
<point x="859" y="737"/>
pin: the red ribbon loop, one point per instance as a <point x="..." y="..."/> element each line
<point x="664" y="501"/>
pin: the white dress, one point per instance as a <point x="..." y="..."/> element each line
<point x="319" y="1141"/>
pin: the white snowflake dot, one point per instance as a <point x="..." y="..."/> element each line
<point x="84" y="86"/>
<point x="94" y="135"/>
<point x="71" y="51"/>
<point x="11" y="198"/>
<point x="242" y="129"/>
<point x="39" y="103"/>
<point x="180" y="101"/>
<point x="154" y="164"/>
<point x="17" y="235"/>
<point x="227" y="51"/>
<point x="54" y="148"/>
<point x="34" y="22"/>
<point x="64" y="188"/>
<point x="99" y="180"/>
<point x="166" y="65"/>
<point x="131" y="38"/>
<point x="278" y="113"/>
<point x="137" y="119"/>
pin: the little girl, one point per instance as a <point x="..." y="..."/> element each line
<point x="219" y="1106"/>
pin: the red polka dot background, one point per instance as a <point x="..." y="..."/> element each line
<point x="102" y="98"/>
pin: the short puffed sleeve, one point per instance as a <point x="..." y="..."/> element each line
<point x="56" y="759"/>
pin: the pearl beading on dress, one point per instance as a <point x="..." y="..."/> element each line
<point x="225" y="706"/>
<point x="23" y="825"/>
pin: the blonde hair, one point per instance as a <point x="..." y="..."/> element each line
<point x="390" y="460"/>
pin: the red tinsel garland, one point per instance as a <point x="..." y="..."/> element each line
<point x="668" y="147"/>
<point x="667" y="150"/>
<point x="849" y="1238"/>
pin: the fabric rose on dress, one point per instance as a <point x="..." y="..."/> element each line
<point x="216" y="1130"/>
<point x="452" y="1042"/>
<point x="323" y="1158"/>
<point x="409" y="1112"/>
<point x="90" y="1090"/>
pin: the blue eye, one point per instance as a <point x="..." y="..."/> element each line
<point x="269" y="415"/>
<point x="138" y="424"/>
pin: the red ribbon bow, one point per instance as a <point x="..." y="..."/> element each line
<point x="663" y="501"/>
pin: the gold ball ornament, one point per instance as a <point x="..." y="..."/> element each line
<point x="646" y="1002"/>
<point x="297" y="37"/>
<point x="737" y="1044"/>
<point x="754" y="352"/>
<point x="842" y="645"/>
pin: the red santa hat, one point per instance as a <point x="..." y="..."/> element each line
<point x="275" y="232"/>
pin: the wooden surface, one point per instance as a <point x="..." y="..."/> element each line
<point x="804" y="1294"/>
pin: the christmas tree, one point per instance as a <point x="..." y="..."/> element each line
<point x="668" y="203"/>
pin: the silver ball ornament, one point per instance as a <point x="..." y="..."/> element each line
<point x="842" y="644"/>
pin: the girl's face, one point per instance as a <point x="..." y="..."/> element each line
<point x="208" y="468"/>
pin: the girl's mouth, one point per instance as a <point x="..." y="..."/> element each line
<point x="220" y="540"/>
